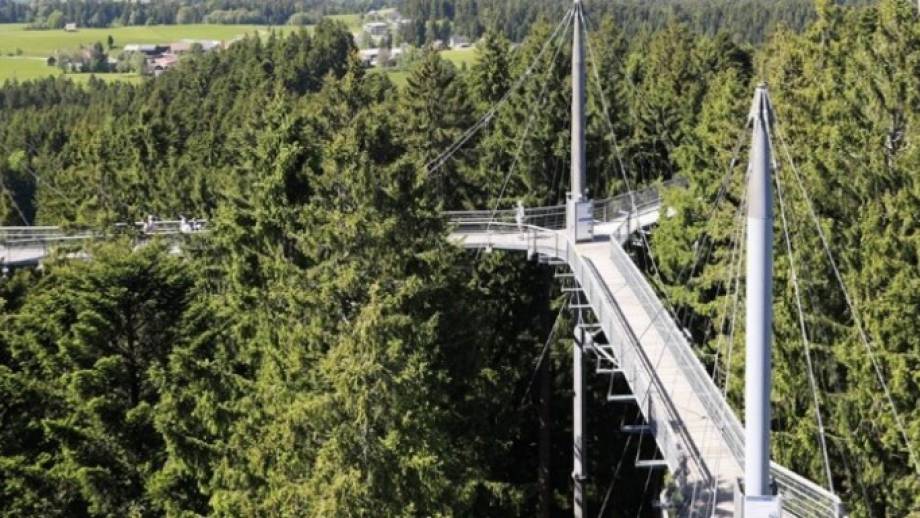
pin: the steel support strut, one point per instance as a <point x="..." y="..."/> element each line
<point x="579" y="453"/>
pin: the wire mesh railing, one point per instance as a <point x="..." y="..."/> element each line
<point x="801" y="496"/>
<point x="553" y="216"/>
<point x="29" y="245"/>
<point x="671" y="434"/>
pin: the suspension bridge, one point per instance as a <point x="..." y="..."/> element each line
<point x="624" y="330"/>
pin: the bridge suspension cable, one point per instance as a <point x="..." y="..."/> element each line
<point x="549" y="341"/>
<point x="698" y="246"/>
<point x="523" y="136"/>
<point x="857" y="320"/>
<point x="439" y="161"/>
<point x="801" y="318"/>
<point x="733" y="294"/>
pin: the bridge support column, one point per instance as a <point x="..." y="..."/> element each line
<point x="759" y="500"/>
<point x="579" y="210"/>
<point x="579" y="453"/>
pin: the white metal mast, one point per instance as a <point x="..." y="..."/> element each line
<point x="579" y="217"/>
<point x="574" y="211"/>
<point x="759" y="500"/>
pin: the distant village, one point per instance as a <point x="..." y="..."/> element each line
<point x="141" y="58"/>
<point x="375" y="40"/>
<point x="160" y="58"/>
<point x="379" y="32"/>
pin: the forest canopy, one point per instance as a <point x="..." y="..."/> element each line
<point x="324" y="350"/>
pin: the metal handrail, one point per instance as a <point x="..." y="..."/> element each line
<point x="801" y="496"/>
<point x="672" y="435"/>
<point x="35" y="242"/>
<point x="674" y="419"/>
<point x="553" y="216"/>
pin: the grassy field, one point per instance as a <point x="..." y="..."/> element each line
<point x="398" y="77"/>
<point x="22" y="52"/>
<point x="44" y="43"/>
<point x="353" y="21"/>
<point x="460" y="57"/>
<point x="26" y="68"/>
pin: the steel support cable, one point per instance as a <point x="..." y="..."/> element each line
<point x="616" y="474"/>
<point x="523" y="136"/>
<point x="736" y="297"/>
<point x="667" y="141"/>
<point x="654" y="383"/>
<point x="38" y="179"/>
<point x="841" y="441"/>
<point x="526" y="132"/>
<point x="549" y="341"/>
<point x="722" y="188"/>
<point x="697" y="249"/>
<point x="15" y="204"/>
<point x="689" y="269"/>
<point x="730" y="282"/>
<point x="734" y="317"/>
<point x="734" y="287"/>
<point x="663" y="393"/>
<point x="723" y="191"/>
<point x="801" y="317"/>
<point x="616" y="471"/>
<point x="437" y="162"/>
<point x="613" y="136"/>
<point x="697" y="255"/>
<point x="648" y="479"/>
<point x="851" y="305"/>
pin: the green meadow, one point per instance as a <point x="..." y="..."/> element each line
<point x="352" y="21"/>
<point x="44" y="43"/>
<point x="460" y="57"/>
<point x="22" y="52"/>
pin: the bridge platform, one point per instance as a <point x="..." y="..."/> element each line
<point x="700" y="438"/>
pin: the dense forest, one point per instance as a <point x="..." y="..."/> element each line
<point x="744" y="20"/>
<point x="106" y="13"/>
<point x="325" y="351"/>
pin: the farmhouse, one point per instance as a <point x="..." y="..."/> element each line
<point x="377" y="29"/>
<point x="459" y="42"/>
<point x="148" y="49"/>
<point x="163" y="63"/>
<point x="379" y="57"/>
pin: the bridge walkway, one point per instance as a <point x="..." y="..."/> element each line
<point x="699" y="436"/>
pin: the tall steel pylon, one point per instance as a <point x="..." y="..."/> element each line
<point x="759" y="500"/>
<point x="574" y="210"/>
<point x="579" y="217"/>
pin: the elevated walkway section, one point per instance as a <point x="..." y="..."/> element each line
<point x="29" y="246"/>
<point x="699" y="437"/>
